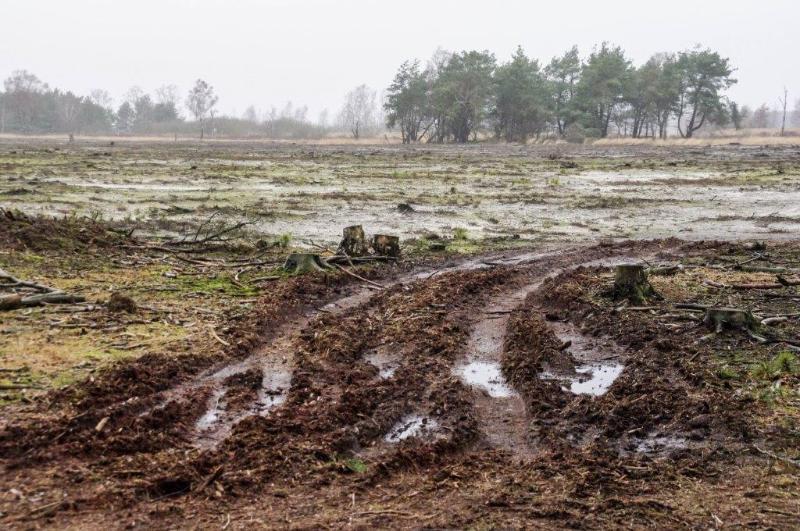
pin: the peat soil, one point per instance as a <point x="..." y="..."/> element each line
<point x="499" y="391"/>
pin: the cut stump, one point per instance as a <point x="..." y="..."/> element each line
<point x="719" y="319"/>
<point x="354" y="242"/>
<point x="385" y="245"/>
<point x="300" y="263"/>
<point x="630" y="282"/>
<point x="119" y="302"/>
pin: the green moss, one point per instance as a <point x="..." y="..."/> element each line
<point x="784" y="364"/>
<point x="219" y="284"/>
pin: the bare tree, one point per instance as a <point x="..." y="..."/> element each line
<point x="796" y="117"/>
<point x="134" y="94"/>
<point x="200" y="102"/>
<point x="358" y="112"/>
<point x="167" y="94"/>
<point x="101" y="98"/>
<point x="784" y="101"/>
<point x="760" y="118"/>
<point x="250" y="114"/>
<point x="322" y="121"/>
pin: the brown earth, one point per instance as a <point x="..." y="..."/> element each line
<point x="698" y="430"/>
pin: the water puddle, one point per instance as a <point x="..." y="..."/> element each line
<point x="662" y="443"/>
<point x="273" y="390"/>
<point x="597" y="361"/>
<point x="212" y="414"/>
<point x="601" y="377"/>
<point x="487" y="376"/>
<point x="411" y="426"/>
<point x="386" y="364"/>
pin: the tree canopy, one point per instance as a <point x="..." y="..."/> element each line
<point x="461" y="93"/>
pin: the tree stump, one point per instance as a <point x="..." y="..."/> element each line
<point x="354" y="242"/>
<point x="731" y="318"/>
<point x="119" y="302"/>
<point x="299" y="263"/>
<point x="385" y="245"/>
<point x="630" y="282"/>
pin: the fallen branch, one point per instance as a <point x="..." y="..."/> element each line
<point x="770" y="321"/>
<point x="359" y="277"/>
<point x="14" y="302"/>
<point x="215" y="336"/>
<point x="692" y="306"/>
<point x="742" y="286"/>
<point x="14" y="282"/>
<point x="780" y="458"/>
<point x="783" y="281"/>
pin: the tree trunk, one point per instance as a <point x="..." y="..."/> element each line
<point x="630" y="282"/>
<point x="300" y="263"/>
<point x="385" y="245"/>
<point x="354" y="242"/>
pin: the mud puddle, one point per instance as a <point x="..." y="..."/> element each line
<point x="276" y="359"/>
<point x="598" y="361"/>
<point x="500" y="408"/>
<point x="412" y="426"/>
<point x="486" y="375"/>
<point x="594" y="380"/>
<point x="384" y="361"/>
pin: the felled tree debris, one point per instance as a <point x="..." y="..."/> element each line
<point x="386" y="245"/>
<point x="299" y="263"/>
<point x="630" y="282"/>
<point x="354" y="242"/>
<point x="16" y="301"/>
<point x="46" y="295"/>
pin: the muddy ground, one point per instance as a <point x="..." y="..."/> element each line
<point x="505" y="387"/>
<point x="534" y="193"/>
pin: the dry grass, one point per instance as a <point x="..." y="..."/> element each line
<point x="388" y="138"/>
<point x="746" y="137"/>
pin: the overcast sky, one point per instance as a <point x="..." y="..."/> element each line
<point x="313" y="51"/>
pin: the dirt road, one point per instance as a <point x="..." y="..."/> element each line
<point x="505" y="390"/>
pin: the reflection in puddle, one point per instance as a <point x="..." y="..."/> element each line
<point x="601" y="378"/>
<point x="273" y="388"/>
<point x="410" y="426"/>
<point x="211" y="416"/>
<point x="487" y="376"/>
<point x="593" y="379"/>
<point x="656" y="444"/>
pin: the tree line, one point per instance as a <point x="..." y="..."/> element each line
<point x="30" y="106"/>
<point x="455" y="97"/>
<point x="458" y="94"/>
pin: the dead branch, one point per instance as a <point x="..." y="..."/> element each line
<point x="14" y="302"/>
<point x="14" y="282"/>
<point x="691" y="306"/>
<point x="742" y="286"/>
<point x="359" y="277"/>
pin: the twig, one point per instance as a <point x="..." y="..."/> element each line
<point x="359" y="277"/>
<point x="210" y="479"/>
<point x="15" y="282"/>
<point x="778" y="457"/>
<point x="215" y="336"/>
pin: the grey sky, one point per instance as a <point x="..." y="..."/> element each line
<point x="312" y="51"/>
